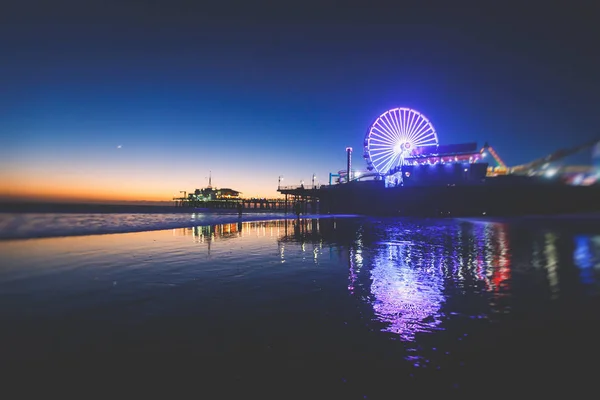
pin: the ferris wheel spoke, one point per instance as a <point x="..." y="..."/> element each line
<point x="394" y="118"/>
<point x="412" y="123"/>
<point x="384" y="125"/>
<point x="381" y="147"/>
<point x="379" y="137"/>
<point x="383" y="166"/>
<point x="424" y="130"/>
<point x="390" y="121"/>
<point x="420" y="126"/>
<point x="428" y="136"/>
<point x="420" y="131"/>
<point x="378" y="153"/>
<point x="404" y="118"/>
<point x="380" y="158"/>
<point x="400" y="121"/>
<point x="384" y="161"/>
<point x="382" y="137"/>
<point x="389" y="127"/>
<point x="393" y="160"/>
<point x="384" y="131"/>
<point x="401" y="114"/>
<point x="381" y="143"/>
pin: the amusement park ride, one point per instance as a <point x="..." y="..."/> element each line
<point x="404" y="137"/>
<point x="410" y="174"/>
<point x="543" y="166"/>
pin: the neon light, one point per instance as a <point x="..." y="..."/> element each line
<point x="494" y="155"/>
<point x="394" y="135"/>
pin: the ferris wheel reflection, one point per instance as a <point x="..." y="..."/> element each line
<point x="411" y="277"/>
<point x="408" y="277"/>
<point x="408" y="290"/>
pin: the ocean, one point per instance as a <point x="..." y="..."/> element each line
<point x="269" y="305"/>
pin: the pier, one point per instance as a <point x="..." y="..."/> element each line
<point x="307" y="197"/>
<point x="232" y="204"/>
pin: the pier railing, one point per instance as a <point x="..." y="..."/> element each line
<point x="299" y="187"/>
<point x="234" y="204"/>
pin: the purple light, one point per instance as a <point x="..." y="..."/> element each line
<point x="394" y="135"/>
<point x="407" y="280"/>
<point x="587" y="257"/>
<point x="407" y="297"/>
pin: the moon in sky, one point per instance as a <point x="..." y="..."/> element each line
<point x="119" y="146"/>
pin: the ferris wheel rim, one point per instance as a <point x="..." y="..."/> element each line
<point x="393" y="135"/>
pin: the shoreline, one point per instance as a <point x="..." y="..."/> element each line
<point x="66" y="231"/>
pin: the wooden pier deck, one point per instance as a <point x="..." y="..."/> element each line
<point x="306" y="197"/>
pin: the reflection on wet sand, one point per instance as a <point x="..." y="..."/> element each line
<point x="208" y="233"/>
<point x="407" y="285"/>
<point x="587" y="258"/>
<point x="408" y="275"/>
<point x="303" y="231"/>
<point x="291" y="230"/>
<point x="498" y="246"/>
<point x="411" y="279"/>
<point x="551" y="264"/>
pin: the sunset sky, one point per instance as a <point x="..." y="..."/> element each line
<point x="134" y="102"/>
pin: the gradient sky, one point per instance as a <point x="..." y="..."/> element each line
<point x="252" y="92"/>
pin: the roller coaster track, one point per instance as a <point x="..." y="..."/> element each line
<point x="495" y="155"/>
<point x="560" y="154"/>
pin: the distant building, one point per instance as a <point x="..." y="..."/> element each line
<point x="226" y="193"/>
<point x="210" y="193"/>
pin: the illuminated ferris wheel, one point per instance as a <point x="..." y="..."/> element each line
<point x="394" y="136"/>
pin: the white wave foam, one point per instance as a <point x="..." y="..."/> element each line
<point x="39" y="225"/>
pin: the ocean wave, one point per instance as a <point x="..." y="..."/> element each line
<point x="41" y="225"/>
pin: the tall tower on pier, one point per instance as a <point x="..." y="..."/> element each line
<point x="348" y="164"/>
<point x="210" y="179"/>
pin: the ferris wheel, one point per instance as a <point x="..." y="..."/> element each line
<point x="394" y="136"/>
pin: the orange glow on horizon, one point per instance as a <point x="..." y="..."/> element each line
<point x="23" y="186"/>
<point x="78" y="176"/>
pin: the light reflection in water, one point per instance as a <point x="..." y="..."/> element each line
<point x="587" y="257"/>
<point x="408" y="291"/>
<point x="551" y="254"/>
<point x="206" y="234"/>
<point x="480" y="243"/>
<point x="277" y="228"/>
<point x="498" y="246"/>
<point x="410" y="278"/>
<point x="356" y="264"/>
<point x="302" y="231"/>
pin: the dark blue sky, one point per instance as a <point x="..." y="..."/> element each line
<point x="280" y="89"/>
